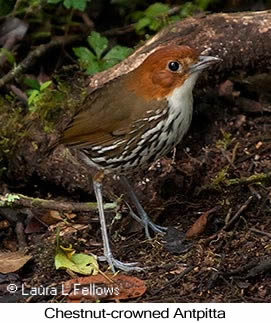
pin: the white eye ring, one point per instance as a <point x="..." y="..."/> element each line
<point x="174" y="66"/>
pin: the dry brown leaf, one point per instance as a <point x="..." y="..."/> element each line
<point x="48" y="217"/>
<point x="34" y="226"/>
<point x="4" y="224"/>
<point x="65" y="229"/>
<point x="70" y="216"/>
<point x="12" y="261"/>
<point x="10" y="245"/>
<point x="198" y="227"/>
<point x="42" y="219"/>
<point x="103" y="287"/>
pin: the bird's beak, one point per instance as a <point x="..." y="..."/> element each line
<point x="203" y="62"/>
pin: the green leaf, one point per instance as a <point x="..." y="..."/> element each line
<point x="32" y="83"/>
<point x="155" y="24"/>
<point x="156" y="9"/>
<point x="66" y="258"/>
<point x="54" y="1"/>
<point x="84" y="54"/>
<point x="98" y="43"/>
<point x="93" y="68"/>
<point x="8" y="199"/>
<point x="135" y="16"/>
<point x="104" y="65"/>
<point x="142" y="23"/>
<point x="114" y="56"/>
<point x="187" y="9"/>
<point x="67" y="4"/>
<point x="173" y="19"/>
<point x="118" y="53"/>
<point x="203" y="4"/>
<point x="45" y="85"/>
<point x="86" y="57"/>
<point x="88" y="61"/>
<point x="75" y="4"/>
<point x="33" y="96"/>
<point x="9" y="56"/>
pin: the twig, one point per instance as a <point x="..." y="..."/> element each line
<point x="89" y="22"/>
<point x="234" y="152"/>
<point x="237" y="214"/>
<point x="173" y="10"/>
<point x="229" y="223"/>
<point x="19" y="94"/>
<point x="261" y="232"/>
<point x="35" y="54"/>
<point x="254" y="192"/>
<point x="119" y="31"/>
<point x="224" y="153"/>
<point x="174" y="280"/>
<point x="130" y="28"/>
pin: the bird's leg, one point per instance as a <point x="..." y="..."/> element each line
<point x="113" y="263"/>
<point x="145" y="220"/>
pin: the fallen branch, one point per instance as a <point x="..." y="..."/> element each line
<point x="217" y="34"/>
<point x="22" y="201"/>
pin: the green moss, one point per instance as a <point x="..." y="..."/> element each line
<point x="16" y="119"/>
<point x="225" y="142"/>
<point x="8" y="200"/>
<point x="52" y="103"/>
<point x="220" y="178"/>
<point x="259" y="179"/>
<point x="10" y="127"/>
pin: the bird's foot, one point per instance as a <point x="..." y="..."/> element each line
<point x="116" y="264"/>
<point x="143" y="218"/>
<point x="147" y="223"/>
<point x="155" y="227"/>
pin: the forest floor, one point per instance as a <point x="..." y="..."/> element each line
<point x="215" y="188"/>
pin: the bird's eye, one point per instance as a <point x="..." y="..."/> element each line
<point x="174" y="66"/>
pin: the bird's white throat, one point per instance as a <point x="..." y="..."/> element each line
<point x="181" y="108"/>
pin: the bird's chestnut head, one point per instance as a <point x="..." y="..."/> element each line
<point x="167" y="69"/>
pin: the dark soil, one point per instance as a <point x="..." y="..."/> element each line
<point x="229" y="139"/>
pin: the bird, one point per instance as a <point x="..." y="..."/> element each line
<point x="132" y="121"/>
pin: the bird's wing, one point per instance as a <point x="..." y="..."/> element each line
<point x="106" y="116"/>
<point x="99" y="116"/>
